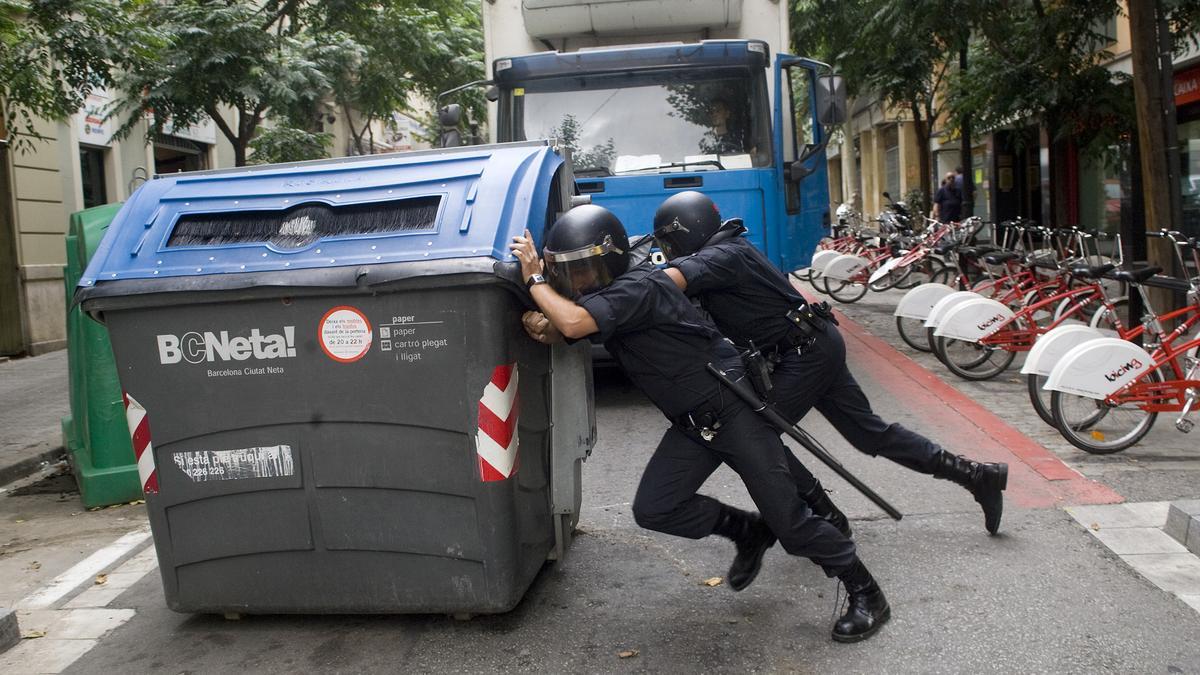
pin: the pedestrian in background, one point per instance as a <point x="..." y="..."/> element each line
<point x="947" y="203"/>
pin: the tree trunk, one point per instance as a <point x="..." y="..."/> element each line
<point x="12" y="337"/>
<point x="921" y="128"/>
<point x="968" y="163"/>
<point x="1148" y="95"/>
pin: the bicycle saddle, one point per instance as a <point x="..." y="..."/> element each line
<point x="943" y="247"/>
<point x="1169" y="283"/>
<point x="976" y="251"/>
<point x="1092" y="271"/>
<point x="1044" y="262"/>
<point x="1000" y="257"/>
<point x="1135" y="276"/>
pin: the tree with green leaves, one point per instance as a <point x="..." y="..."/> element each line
<point x="288" y="144"/>
<point x="408" y="47"/>
<point x="290" y="60"/>
<point x="54" y="53"/>
<point x="224" y="54"/>
<point x="892" y="49"/>
<point x="1044" y="63"/>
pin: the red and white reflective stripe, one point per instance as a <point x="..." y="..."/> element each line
<point x="139" y="431"/>
<point x="496" y="443"/>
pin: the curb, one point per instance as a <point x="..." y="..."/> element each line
<point x="10" y="633"/>
<point x="28" y="465"/>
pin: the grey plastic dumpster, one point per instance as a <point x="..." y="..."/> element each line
<point x="332" y="401"/>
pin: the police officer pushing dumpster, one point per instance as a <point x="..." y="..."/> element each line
<point x="665" y="345"/>
<point x="755" y="305"/>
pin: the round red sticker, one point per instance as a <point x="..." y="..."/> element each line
<point x="345" y="334"/>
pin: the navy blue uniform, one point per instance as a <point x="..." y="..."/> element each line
<point x="664" y="344"/>
<point x="748" y="299"/>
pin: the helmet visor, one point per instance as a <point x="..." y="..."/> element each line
<point x="579" y="271"/>
<point x="671" y="240"/>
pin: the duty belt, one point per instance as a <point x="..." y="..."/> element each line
<point x="807" y="321"/>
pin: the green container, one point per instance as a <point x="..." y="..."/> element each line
<point x="95" y="433"/>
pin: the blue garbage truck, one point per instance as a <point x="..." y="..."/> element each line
<point x="733" y="117"/>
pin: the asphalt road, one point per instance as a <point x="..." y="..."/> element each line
<point x="1044" y="596"/>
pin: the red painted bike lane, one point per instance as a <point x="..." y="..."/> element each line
<point x="1037" y="478"/>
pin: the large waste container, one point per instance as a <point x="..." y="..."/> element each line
<point x="333" y="403"/>
<point x="95" y="433"/>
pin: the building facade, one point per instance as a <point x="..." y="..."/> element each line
<point x="879" y="152"/>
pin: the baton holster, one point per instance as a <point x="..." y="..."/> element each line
<point x="758" y="368"/>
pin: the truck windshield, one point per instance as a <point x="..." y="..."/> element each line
<point x="661" y="121"/>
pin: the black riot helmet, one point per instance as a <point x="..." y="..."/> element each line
<point x="585" y="250"/>
<point x="684" y="222"/>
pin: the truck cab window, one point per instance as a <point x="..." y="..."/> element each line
<point x="660" y="121"/>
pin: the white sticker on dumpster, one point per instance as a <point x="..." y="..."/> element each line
<point x="272" y="461"/>
<point x="345" y="334"/>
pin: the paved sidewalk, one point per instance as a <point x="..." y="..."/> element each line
<point x="1165" y="466"/>
<point x="33" y="400"/>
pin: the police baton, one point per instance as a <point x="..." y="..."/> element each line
<point x="747" y="394"/>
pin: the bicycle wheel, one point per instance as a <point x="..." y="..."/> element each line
<point x="973" y="361"/>
<point x="935" y="345"/>
<point x="1039" y="397"/>
<point x="913" y="332"/>
<point x="1099" y="427"/>
<point x="818" y="282"/>
<point x="1105" y="318"/>
<point x="845" y="291"/>
<point x="889" y="280"/>
<point x="946" y="275"/>
<point x="922" y="272"/>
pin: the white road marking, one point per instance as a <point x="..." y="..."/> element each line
<point x="71" y="632"/>
<point x="85" y="570"/>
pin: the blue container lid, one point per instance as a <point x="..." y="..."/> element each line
<point x="381" y="209"/>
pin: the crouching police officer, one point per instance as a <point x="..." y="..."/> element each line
<point x="664" y="344"/>
<point x="752" y="302"/>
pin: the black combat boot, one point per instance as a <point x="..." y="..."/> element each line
<point x="752" y="537"/>
<point x="818" y="500"/>
<point x="867" y="609"/>
<point x="986" y="482"/>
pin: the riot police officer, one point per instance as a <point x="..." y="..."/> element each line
<point x="751" y="301"/>
<point x="664" y="344"/>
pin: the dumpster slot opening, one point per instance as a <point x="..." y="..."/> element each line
<point x="306" y="223"/>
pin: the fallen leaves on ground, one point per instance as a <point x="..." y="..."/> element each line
<point x="101" y="579"/>
<point x="33" y="635"/>
<point x="713" y="581"/>
<point x="628" y="653"/>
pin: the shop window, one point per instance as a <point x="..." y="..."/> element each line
<point x="1104" y="33"/>
<point x="981" y="162"/>
<point x="91" y="175"/>
<point x="173" y="154"/>
<point x="891" y="159"/>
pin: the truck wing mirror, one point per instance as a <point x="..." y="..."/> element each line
<point x="831" y="100"/>
<point x="450" y="115"/>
